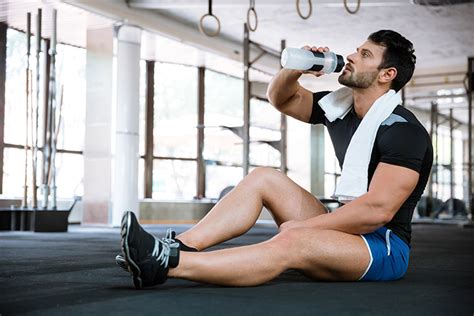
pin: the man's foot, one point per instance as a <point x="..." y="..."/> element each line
<point x="122" y="263"/>
<point x="148" y="258"/>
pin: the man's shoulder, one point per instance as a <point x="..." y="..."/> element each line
<point x="406" y="114"/>
<point x="402" y="132"/>
<point x="403" y="119"/>
<point x="318" y="95"/>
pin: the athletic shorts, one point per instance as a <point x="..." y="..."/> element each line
<point x="388" y="256"/>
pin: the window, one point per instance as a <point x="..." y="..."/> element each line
<point x="174" y="179"/>
<point x="70" y="76"/>
<point x="69" y="175"/>
<point x="223" y="147"/>
<point x="442" y="172"/>
<point x="220" y="177"/>
<point x="264" y="127"/>
<point x="13" y="172"/>
<point x="175" y="132"/>
<point x="15" y="100"/>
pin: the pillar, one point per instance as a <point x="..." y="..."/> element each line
<point x="125" y="159"/>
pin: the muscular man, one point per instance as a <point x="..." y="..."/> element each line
<point x="367" y="238"/>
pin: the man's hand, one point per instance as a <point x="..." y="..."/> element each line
<point x="315" y="49"/>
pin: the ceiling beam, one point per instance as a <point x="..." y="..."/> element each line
<point x="228" y="4"/>
<point x="176" y="30"/>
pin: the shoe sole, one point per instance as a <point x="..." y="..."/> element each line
<point x="132" y="265"/>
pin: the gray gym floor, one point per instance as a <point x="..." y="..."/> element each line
<point x="74" y="273"/>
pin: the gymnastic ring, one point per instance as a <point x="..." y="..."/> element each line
<point x="352" y="11"/>
<point x="253" y="29"/>
<point x="203" y="31"/>
<point x="299" y="11"/>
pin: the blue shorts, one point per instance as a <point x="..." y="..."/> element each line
<point x="388" y="256"/>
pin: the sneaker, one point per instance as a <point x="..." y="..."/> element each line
<point x="122" y="263"/>
<point x="148" y="258"/>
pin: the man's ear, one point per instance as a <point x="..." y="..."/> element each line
<point x="387" y="74"/>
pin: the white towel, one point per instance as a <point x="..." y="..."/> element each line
<point x="337" y="103"/>
<point x="354" y="176"/>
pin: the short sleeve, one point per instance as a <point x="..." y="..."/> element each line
<point x="403" y="144"/>
<point x="317" y="115"/>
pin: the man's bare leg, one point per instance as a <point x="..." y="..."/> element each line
<point x="238" y="211"/>
<point x="319" y="254"/>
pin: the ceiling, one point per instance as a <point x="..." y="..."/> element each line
<point x="442" y="34"/>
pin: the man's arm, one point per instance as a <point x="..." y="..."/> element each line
<point x="390" y="187"/>
<point x="287" y="96"/>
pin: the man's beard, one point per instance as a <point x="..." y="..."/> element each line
<point x="358" y="80"/>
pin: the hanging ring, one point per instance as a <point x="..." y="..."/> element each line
<point x="203" y="30"/>
<point x="209" y="13"/>
<point x="299" y="11"/>
<point x="352" y="11"/>
<point x="249" y="11"/>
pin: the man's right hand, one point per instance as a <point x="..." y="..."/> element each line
<point x="315" y="49"/>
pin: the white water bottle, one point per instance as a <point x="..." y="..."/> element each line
<point x="302" y="59"/>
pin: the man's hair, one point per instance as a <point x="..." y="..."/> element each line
<point x="399" y="53"/>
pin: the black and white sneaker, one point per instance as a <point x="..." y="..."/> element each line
<point x="148" y="258"/>
<point x="122" y="263"/>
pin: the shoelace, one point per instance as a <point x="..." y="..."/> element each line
<point x="167" y="243"/>
<point x="169" y="237"/>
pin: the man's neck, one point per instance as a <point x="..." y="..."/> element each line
<point x="364" y="98"/>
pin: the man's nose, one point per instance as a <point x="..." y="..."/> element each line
<point x="350" y="58"/>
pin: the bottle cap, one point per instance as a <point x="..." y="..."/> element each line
<point x="340" y="63"/>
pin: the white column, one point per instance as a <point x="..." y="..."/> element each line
<point x="98" y="131"/>
<point x="125" y="179"/>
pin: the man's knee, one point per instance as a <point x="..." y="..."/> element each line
<point x="264" y="175"/>
<point x="295" y="238"/>
<point x="296" y="243"/>
<point x="264" y="172"/>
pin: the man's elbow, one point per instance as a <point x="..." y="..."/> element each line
<point x="273" y="99"/>
<point x="382" y="212"/>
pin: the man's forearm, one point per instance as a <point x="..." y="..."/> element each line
<point x="357" y="217"/>
<point x="283" y="86"/>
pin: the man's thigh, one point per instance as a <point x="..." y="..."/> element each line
<point x="329" y="255"/>
<point x="286" y="200"/>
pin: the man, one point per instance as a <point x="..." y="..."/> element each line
<point x="367" y="238"/>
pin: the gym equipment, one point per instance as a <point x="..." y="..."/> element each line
<point x="36" y="115"/>
<point x="470" y="92"/>
<point x="428" y="206"/>
<point x="244" y="131"/>
<point x="30" y="219"/>
<point x="250" y="11"/>
<point x="209" y="14"/>
<point x="225" y="191"/>
<point x="24" y="202"/>
<point x="350" y="10"/>
<point x="453" y="208"/>
<point x="51" y="161"/>
<point x="46" y="219"/>
<point x="304" y="17"/>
